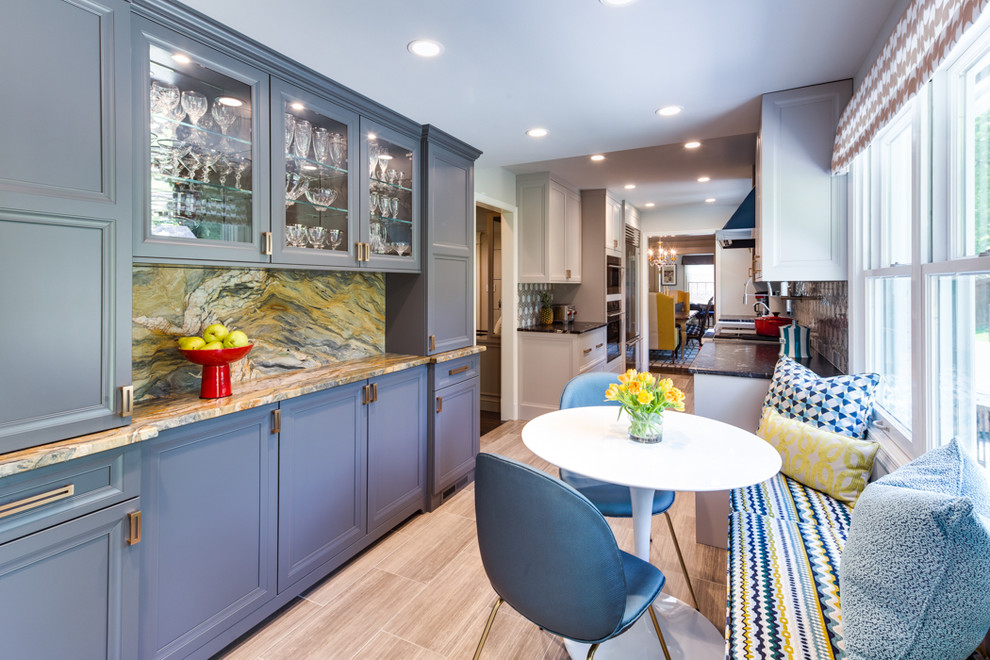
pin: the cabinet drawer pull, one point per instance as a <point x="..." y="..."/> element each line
<point x="568" y="273"/>
<point x="459" y="370"/>
<point x="366" y="395"/>
<point x="587" y="350"/>
<point x="34" y="501"/>
<point x="599" y="345"/>
<point x="134" y="522"/>
<point x="433" y="343"/>
<point x="374" y="392"/>
<point x="126" y="400"/>
<point x="277" y="420"/>
<point x="267" y="241"/>
<point x="439" y="404"/>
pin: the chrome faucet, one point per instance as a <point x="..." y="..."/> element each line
<point x="758" y="305"/>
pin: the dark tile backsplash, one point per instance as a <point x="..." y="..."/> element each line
<point x="825" y="312"/>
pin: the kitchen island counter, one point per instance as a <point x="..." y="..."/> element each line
<point x="749" y="360"/>
<point x="560" y="328"/>
<point x="160" y="414"/>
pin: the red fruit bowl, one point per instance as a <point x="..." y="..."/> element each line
<point x="216" y="368"/>
<point x="771" y="325"/>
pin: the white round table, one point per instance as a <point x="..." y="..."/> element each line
<point x="696" y="454"/>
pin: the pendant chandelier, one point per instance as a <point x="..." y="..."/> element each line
<point x="662" y="256"/>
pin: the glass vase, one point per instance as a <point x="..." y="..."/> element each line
<point x="645" y="427"/>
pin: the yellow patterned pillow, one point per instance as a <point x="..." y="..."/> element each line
<point x="826" y="461"/>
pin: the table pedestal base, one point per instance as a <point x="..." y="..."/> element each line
<point x="689" y="636"/>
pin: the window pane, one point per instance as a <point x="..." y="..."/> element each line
<point x="891" y="339"/>
<point x="962" y="362"/>
<point x="896" y="188"/>
<point x="974" y="234"/>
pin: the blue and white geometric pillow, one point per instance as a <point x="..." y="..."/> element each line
<point x="841" y="404"/>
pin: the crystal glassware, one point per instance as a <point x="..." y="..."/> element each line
<point x="224" y="114"/>
<point x="401" y="248"/>
<point x="373" y="151"/>
<point x="164" y="97"/>
<point x="195" y="105"/>
<point x="374" y="202"/>
<point x="321" y="144"/>
<point x="239" y="162"/>
<point x="321" y="198"/>
<point x="393" y="206"/>
<point x="337" y="149"/>
<point x="302" y="134"/>
<point x="333" y="237"/>
<point x="295" y="235"/>
<point x="317" y="236"/>
<point x="290" y="127"/>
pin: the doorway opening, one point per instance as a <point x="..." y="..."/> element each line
<point x="488" y="322"/>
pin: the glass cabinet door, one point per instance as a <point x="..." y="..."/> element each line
<point x="312" y="200"/>
<point x="392" y="198"/>
<point x="205" y="171"/>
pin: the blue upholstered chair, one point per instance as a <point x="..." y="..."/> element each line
<point x="550" y="554"/>
<point x="611" y="499"/>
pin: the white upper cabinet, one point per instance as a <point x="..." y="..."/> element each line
<point x="801" y="210"/>
<point x="614" y="229"/>
<point x="550" y="230"/>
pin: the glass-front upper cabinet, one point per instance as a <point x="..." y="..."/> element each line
<point x="314" y="209"/>
<point x="390" y="199"/>
<point x="203" y="152"/>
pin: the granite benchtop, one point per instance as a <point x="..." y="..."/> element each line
<point x="158" y="415"/>
<point x="561" y="328"/>
<point x="749" y="360"/>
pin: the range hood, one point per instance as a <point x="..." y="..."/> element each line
<point x="738" y="231"/>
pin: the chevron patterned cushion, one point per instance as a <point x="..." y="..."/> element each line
<point x="842" y="404"/>
<point x="783" y="579"/>
<point x="783" y="497"/>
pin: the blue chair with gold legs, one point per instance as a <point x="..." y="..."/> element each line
<point x="550" y="554"/>
<point x="611" y="499"/>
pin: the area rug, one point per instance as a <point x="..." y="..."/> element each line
<point x="673" y="361"/>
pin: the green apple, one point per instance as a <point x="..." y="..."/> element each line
<point x="191" y="343"/>
<point x="215" y="332"/>
<point x="213" y="346"/>
<point x="235" y="339"/>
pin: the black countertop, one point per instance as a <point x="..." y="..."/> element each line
<point x="572" y="328"/>
<point x="749" y="360"/>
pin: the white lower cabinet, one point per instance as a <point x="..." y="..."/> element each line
<point x="549" y="360"/>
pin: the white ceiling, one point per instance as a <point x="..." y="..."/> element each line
<point x="591" y="74"/>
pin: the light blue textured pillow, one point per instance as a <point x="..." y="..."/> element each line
<point x="914" y="578"/>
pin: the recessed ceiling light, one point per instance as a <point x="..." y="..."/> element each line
<point x="537" y="132"/>
<point x="181" y="58"/>
<point x="617" y="3"/>
<point x="649" y="205"/>
<point x="710" y="200"/>
<point x="669" y="110"/>
<point x="425" y="47"/>
<point x="630" y="186"/>
<point x="297" y="106"/>
<point x="692" y="145"/>
<point x="704" y="179"/>
<point x="230" y="101"/>
<point x="597" y="157"/>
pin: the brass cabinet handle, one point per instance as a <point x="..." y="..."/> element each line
<point x="599" y="345"/>
<point x="439" y="404"/>
<point x="567" y="273"/>
<point x="126" y="400"/>
<point x="459" y="370"/>
<point x="134" y="522"/>
<point x="374" y="392"/>
<point x="587" y="350"/>
<point x="277" y="420"/>
<point x="34" y="501"/>
<point x="433" y="342"/>
<point x="366" y="395"/>
<point x="267" y="242"/>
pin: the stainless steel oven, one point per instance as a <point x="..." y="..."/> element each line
<point x="613" y="275"/>
<point x="613" y="330"/>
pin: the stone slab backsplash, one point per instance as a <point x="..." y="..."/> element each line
<point x="297" y="319"/>
<point x="825" y="312"/>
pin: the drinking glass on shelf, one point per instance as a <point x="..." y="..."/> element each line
<point x="195" y="105"/>
<point x="334" y="236"/>
<point x="295" y="235"/>
<point x="393" y="206"/>
<point x="321" y="198"/>
<point x="337" y="149"/>
<point x="321" y="144"/>
<point x="316" y="235"/>
<point x="164" y="97"/>
<point x="401" y="248"/>
<point x="373" y="151"/>
<point x="296" y="185"/>
<point x="383" y="160"/>
<point x="223" y="168"/>
<point x="290" y="126"/>
<point x="224" y="114"/>
<point x="208" y="158"/>
<point x="374" y="201"/>
<point x="301" y="137"/>
<point x="239" y="162"/>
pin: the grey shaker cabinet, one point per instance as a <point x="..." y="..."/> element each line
<point x="65" y="202"/>
<point x="208" y="553"/>
<point x="456" y="419"/>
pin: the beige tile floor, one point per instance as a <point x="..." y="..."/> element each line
<point x="421" y="592"/>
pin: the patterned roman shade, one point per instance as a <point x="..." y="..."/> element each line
<point x="917" y="46"/>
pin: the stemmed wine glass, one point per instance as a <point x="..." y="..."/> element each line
<point x="373" y="151"/>
<point x="383" y="160"/>
<point x="224" y="114"/>
<point x="195" y="105"/>
<point x="239" y="162"/>
<point x="208" y="159"/>
<point x="393" y="206"/>
<point x="321" y="144"/>
<point x="316" y="235"/>
<point x="301" y="137"/>
<point x="337" y="145"/>
<point x="374" y="201"/>
<point x="333" y="237"/>
<point x="164" y="97"/>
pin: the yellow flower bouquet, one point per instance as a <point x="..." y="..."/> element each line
<point x="644" y="398"/>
